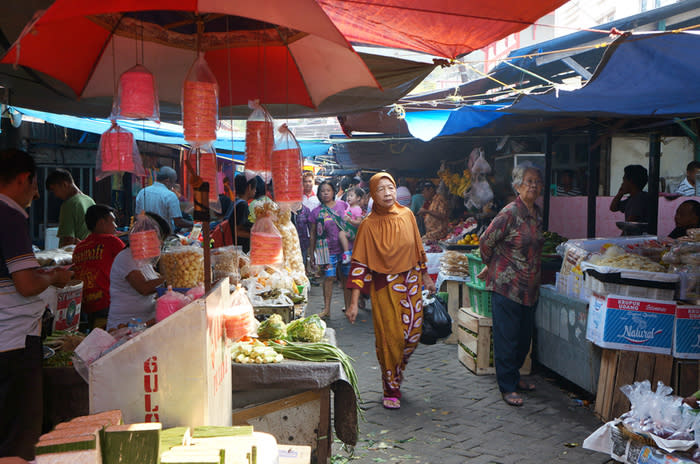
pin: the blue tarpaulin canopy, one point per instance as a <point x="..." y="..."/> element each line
<point x="426" y="125"/>
<point x="640" y="75"/>
<point x="171" y="134"/>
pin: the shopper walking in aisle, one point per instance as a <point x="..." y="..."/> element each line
<point x="21" y="282"/>
<point x="71" y="217"/>
<point x="388" y="263"/>
<point x="511" y="247"/>
<point x="325" y="250"/>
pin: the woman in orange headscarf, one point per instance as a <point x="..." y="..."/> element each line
<point x="388" y="263"/>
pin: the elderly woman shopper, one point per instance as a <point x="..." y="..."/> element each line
<point x="388" y="263"/>
<point x="510" y="248"/>
<point x="325" y="250"/>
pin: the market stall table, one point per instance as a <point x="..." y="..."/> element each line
<point x="291" y="400"/>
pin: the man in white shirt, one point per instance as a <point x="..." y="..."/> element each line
<point x="310" y="200"/>
<point x="161" y="200"/>
<point x="687" y="187"/>
<point x="21" y="309"/>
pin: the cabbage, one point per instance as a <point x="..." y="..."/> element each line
<point x="308" y="329"/>
<point x="273" y="328"/>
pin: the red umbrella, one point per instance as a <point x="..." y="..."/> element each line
<point x="276" y="51"/>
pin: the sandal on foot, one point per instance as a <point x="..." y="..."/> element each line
<point x="391" y="403"/>
<point x="324" y="316"/>
<point x="512" y="399"/>
<point x="526" y="386"/>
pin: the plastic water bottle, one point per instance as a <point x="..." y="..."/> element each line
<point x="136" y="325"/>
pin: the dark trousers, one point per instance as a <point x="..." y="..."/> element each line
<point x="21" y="405"/>
<point x="513" y="324"/>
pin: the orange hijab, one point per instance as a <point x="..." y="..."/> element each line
<point x="388" y="240"/>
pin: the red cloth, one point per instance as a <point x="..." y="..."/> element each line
<point x="92" y="262"/>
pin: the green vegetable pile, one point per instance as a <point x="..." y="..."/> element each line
<point x="551" y="241"/>
<point x="308" y="329"/>
<point x="272" y="328"/>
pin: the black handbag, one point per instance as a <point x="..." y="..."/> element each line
<point x="437" y="322"/>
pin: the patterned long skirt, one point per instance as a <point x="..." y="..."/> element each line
<point x="397" y="312"/>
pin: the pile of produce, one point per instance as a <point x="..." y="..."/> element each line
<point x="551" y="241"/>
<point x="462" y="232"/>
<point x="456" y="182"/>
<point x="62" y="343"/>
<point x="308" y="329"/>
<point x="432" y="246"/>
<point x="272" y="328"/>
<point x="252" y="351"/>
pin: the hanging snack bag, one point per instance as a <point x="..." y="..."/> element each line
<point x="286" y="169"/>
<point x="203" y="162"/>
<point x="137" y="97"/>
<point x="144" y="238"/>
<point x="265" y="243"/>
<point x="118" y="152"/>
<point x="239" y="319"/>
<point x="200" y="104"/>
<point x="293" y="259"/>
<point x="225" y="263"/>
<point x="183" y="266"/>
<point x="169" y="303"/>
<point x="259" y="142"/>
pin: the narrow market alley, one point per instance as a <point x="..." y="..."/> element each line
<point x="450" y="416"/>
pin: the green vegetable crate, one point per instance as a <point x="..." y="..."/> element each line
<point x="480" y="300"/>
<point x="475" y="267"/>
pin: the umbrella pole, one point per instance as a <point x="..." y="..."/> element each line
<point x="201" y="213"/>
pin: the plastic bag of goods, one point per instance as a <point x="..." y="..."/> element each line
<point x="239" y="319"/>
<point x="137" y="97"/>
<point x="259" y="142"/>
<point x="286" y="169"/>
<point x="480" y="166"/>
<point x="144" y="238"/>
<point x="262" y="206"/>
<point x="169" y="303"/>
<point x="478" y="195"/>
<point x="225" y="263"/>
<point x="265" y="243"/>
<point x="196" y="293"/>
<point x="202" y="161"/>
<point x="200" y="104"/>
<point x="183" y="266"/>
<point x="118" y="152"/>
<point x="293" y="259"/>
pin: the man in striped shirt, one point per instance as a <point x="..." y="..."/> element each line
<point x="21" y="281"/>
<point x="687" y="187"/>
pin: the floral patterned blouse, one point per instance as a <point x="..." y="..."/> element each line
<point x="511" y="246"/>
<point x="435" y="228"/>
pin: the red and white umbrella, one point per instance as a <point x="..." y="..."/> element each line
<point x="276" y="51"/>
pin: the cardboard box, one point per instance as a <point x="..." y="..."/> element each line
<point x="65" y="304"/>
<point x="633" y="324"/>
<point x="686" y="332"/>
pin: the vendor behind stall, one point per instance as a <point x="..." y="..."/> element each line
<point x="71" y="217"/>
<point x="238" y="212"/>
<point x="21" y="282"/>
<point x="636" y="205"/>
<point x="687" y="217"/>
<point x="92" y="263"/>
<point x="135" y="283"/>
<point x="688" y="187"/>
<point x="434" y="216"/>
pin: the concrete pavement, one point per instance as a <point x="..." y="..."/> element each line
<point x="448" y="415"/>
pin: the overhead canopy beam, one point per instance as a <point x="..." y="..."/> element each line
<point x="580" y="70"/>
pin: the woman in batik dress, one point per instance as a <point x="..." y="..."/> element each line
<point x="388" y="263"/>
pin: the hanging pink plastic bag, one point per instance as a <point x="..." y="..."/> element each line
<point x="169" y="303"/>
<point x="265" y="243"/>
<point x="117" y="153"/>
<point x="286" y="169"/>
<point x="203" y="162"/>
<point x="259" y="142"/>
<point x="196" y="293"/>
<point x="200" y="104"/>
<point x="239" y="319"/>
<point x="137" y="97"/>
<point x="144" y="239"/>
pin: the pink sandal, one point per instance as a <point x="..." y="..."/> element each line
<point x="390" y="402"/>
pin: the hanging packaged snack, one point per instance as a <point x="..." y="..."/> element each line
<point x="293" y="259"/>
<point x="239" y="319"/>
<point x="286" y="169"/>
<point x="202" y="160"/>
<point x="118" y="152"/>
<point x="265" y="243"/>
<point x="259" y="142"/>
<point x="144" y="239"/>
<point x="137" y="97"/>
<point x="183" y="266"/>
<point x="225" y="263"/>
<point x="200" y="104"/>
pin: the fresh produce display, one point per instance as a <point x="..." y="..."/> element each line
<point x="457" y="183"/>
<point x="183" y="267"/>
<point x="252" y="351"/>
<point x="62" y="343"/>
<point x="551" y="241"/>
<point x="308" y="329"/>
<point x="463" y="231"/>
<point x="272" y="328"/>
<point x="469" y="239"/>
<point x="431" y="246"/>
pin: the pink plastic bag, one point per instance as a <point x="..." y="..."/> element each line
<point x="200" y="104"/>
<point x="196" y="293"/>
<point x="265" y="243"/>
<point x="144" y="238"/>
<point x="259" y="142"/>
<point x="169" y="303"/>
<point x="286" y="169"/>
<point x="118" y="152"/>
<point x="137" y="97"/>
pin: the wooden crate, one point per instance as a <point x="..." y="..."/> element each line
<point x="457" y="296"/>
<point x="618" y="368"/>
<point x="686" y="377"/>
<point x="475" y="345"/>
